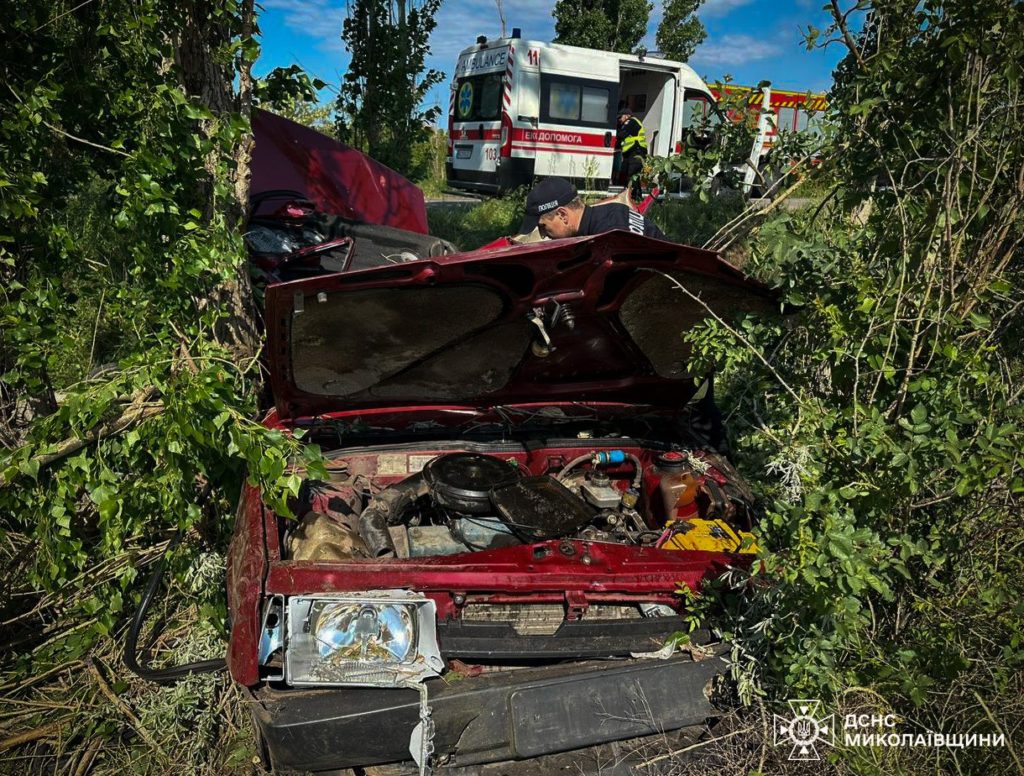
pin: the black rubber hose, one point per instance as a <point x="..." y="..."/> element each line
<point x="160" y="675"/>
<point x="386" y="509"/>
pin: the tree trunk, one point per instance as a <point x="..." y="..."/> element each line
<point x="210" y="82"/>
<point x="372" y="140"/>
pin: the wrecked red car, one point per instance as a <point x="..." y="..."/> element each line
<point x="319" y="207"/>
<point x="522" y="477"/>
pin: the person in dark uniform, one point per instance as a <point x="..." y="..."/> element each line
<point x="632" y="145"/>
<point x="556" y="210"/>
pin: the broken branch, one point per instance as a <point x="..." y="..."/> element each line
<point x="43" y="731"/>
<point x="137" y="412"/>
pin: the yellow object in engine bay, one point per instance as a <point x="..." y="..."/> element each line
<point x="707" y="535"/>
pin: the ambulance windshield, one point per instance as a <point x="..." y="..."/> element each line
<point x="700" y="111"/>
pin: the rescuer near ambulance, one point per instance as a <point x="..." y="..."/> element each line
<point x="554" y="208"/>
<point x="632" y="145"/>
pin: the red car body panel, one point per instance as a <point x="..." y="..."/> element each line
<point x="247" y="568"/>
<point x="336" y="178"/>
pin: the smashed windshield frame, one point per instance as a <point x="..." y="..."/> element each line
<point x="641" y="424"/>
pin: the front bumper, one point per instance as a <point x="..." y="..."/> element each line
<point x="506" y="715"/>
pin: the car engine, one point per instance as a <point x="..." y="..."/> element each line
<point x="463" y="502"/>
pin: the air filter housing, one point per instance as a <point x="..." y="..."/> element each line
<point x="539" y="508"/>
<point x="462" y="482"/>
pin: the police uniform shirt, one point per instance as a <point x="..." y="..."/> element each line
<point x="606" y="218"/>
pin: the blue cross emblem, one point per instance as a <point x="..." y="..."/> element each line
<point x="465" y="99"/>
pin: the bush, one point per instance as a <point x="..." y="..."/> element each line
<point x="427" y="165"/>
<point x="883" y="424"/>
<point x="119" y="245"/>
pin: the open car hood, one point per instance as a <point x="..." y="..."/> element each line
<point x="587" y="319"/>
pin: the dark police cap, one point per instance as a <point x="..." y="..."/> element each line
<point x="548" y="195"/>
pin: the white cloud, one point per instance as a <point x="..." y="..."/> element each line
<point x="317" y="19"/>
<point x="737" y="49"/>
<point x="711" y="8"/>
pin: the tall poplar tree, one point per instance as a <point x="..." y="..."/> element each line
<point x="380" y="106"/>
<point x="680" y="31"/>
<point x="609" y="25"/>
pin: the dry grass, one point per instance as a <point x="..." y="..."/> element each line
<point x="87" y="714"/>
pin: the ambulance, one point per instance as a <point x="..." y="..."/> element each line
<point x="522" y="110"/>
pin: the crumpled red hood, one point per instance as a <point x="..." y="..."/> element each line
<point x="340" y="180"/>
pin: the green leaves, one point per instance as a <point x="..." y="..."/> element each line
<point x="892" y="488"/>
<point x="680" y="30"/>
<point x="112" y="268"/>
<point x="380" y="105"/>
<point x="610" y="25"/>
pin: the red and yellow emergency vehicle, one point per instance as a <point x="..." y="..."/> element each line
<point x="791" y="111"/>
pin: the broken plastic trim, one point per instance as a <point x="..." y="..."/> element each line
<point x="421" y="742"/>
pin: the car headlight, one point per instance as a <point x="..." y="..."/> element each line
<point x="380" y="638"/>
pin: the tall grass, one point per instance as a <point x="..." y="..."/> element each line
<point x="469" y="226"/>
<point x="693" y="222"/>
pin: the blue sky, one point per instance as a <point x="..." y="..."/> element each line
<point x="750" y="40"/>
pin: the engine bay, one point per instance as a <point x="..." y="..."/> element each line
<point x="391" y="504"/>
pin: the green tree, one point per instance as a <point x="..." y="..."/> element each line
<point x="608" y="25"/>
<point x="291" y="93"/>
<point x="314" y="115"/>
<point x="680" y="31"/>
<point x="129" y="377"/>
<point x="380" y="104"/>
<point x="884" y="424"/>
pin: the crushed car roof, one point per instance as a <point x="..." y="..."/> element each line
<point x="338" y="179"/>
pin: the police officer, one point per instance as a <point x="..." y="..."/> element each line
<point x="556" y="210"/>
<point x="632" y="145"/>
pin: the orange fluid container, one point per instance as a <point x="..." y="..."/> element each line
<point x="678" y="486"/>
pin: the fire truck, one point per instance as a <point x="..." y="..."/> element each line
<point x="521" y="110"/>
<point x="787" y="111"/>
<point x="771" y="111"/>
